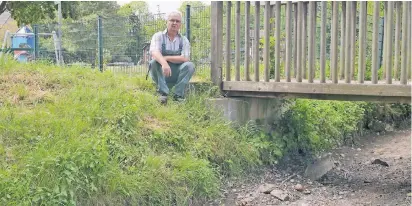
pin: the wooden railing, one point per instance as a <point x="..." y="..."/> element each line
<point x="342" y="71"/>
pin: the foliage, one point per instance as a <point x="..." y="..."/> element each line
<point x="318" y="125"/>
<point x="78" y="136"/>
<point x="134" y="8"/>
<point x="26" y="12"/>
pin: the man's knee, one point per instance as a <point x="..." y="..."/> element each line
<point x="190" y="67"/>
<point x="153" y="62"/>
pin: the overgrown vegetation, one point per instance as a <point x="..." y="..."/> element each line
<point x="75" y="136"/>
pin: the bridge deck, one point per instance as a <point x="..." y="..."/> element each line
<point x="354" y="91"/>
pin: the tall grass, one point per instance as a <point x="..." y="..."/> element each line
<point x="77" y="136"/>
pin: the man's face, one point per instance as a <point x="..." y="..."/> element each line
<point x="174" y="22"/>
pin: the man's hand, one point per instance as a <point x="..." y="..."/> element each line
<point x="167" y="72"/>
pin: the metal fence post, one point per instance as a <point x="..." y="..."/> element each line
<point x="188" y="22"/>
<point x="36" y="42"/>
<point x="100" y="42"/>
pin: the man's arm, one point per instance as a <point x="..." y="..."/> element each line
<point x="176" y="59"/>
<point x="185" y="56"/>
<point x="155" y="47"/>
<point x="160" y="58"/>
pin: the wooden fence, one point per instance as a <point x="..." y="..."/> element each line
<point x="396" y="49"/>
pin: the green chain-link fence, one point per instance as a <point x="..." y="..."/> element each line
<point x="121" y="44"/>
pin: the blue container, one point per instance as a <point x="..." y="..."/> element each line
<point x="23" y="38"/>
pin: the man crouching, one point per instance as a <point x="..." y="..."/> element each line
<point x="170" y="59"/>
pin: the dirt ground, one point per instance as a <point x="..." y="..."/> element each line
<point x="354" y="180"/>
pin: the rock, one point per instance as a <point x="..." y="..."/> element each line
<point x="409" y="194"/>
<point x="398" y="158"/>
<point x="342" y="193"/>
<point x="292" y="180"/>
<point x="389" y="128"/>
<point x="306" y="192"/>
<point x="246" y="201"/>
<point x="266" y="188"/>
<point x="378" y="161"/>
<point x="342" y="155"/>
<point x="299" y="187"/>
<point x="359" y="149"/>
<point x="377" y="126"/>
<point x="319" y="168"/>
<point x="281" y="195"/>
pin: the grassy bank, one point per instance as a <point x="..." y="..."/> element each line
<point x="76" y="136"/>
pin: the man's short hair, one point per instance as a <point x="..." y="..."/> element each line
<point x="175" y="12"/>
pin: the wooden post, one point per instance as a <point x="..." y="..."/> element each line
<point x="277" y="40"/>
<point x="247" y="40"/>
<point x="228" y="48"/>
<point x="323" y="42"/>
<point x="409" y="71"/>
<point x="256" y="39"/>
<point x="334" y="42"/>
<point x="288" y="40"/>
<point x="375" y="60"/>
<point x="389" y="34"/>
<point x="295" y="39"/>
<point x="404" y="42"/>
<point x="266" y="38"/>
<point x="304" y="40"/>
<point x="353" y="39"/>
<point x="385" y="26"/>
<point x="397" y="40"/>
<point x="348" y="48"/>
<point x="362" y="42"/>
<point x="237" y="42"/>
<point x="342" y="40"/>
<point x="217" y="41"/>
<point x="311" y="35"/>
<point x="299" y="42"/>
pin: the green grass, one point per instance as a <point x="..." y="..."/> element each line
<point x="77" y="136"/>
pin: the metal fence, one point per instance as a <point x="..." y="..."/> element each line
<point x="121" y="44"/>
<point x="117" y="43"/>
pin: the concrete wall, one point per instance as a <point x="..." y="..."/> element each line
<point x="264" y="111"/>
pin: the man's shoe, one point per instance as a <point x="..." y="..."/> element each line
<point x="163" y="99"/>
<point x="178" y="98"/>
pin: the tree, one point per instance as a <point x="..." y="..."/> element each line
<point x="134" y="8"/>
<point x="193" y="4"/>
<point x="28" y="12"/>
